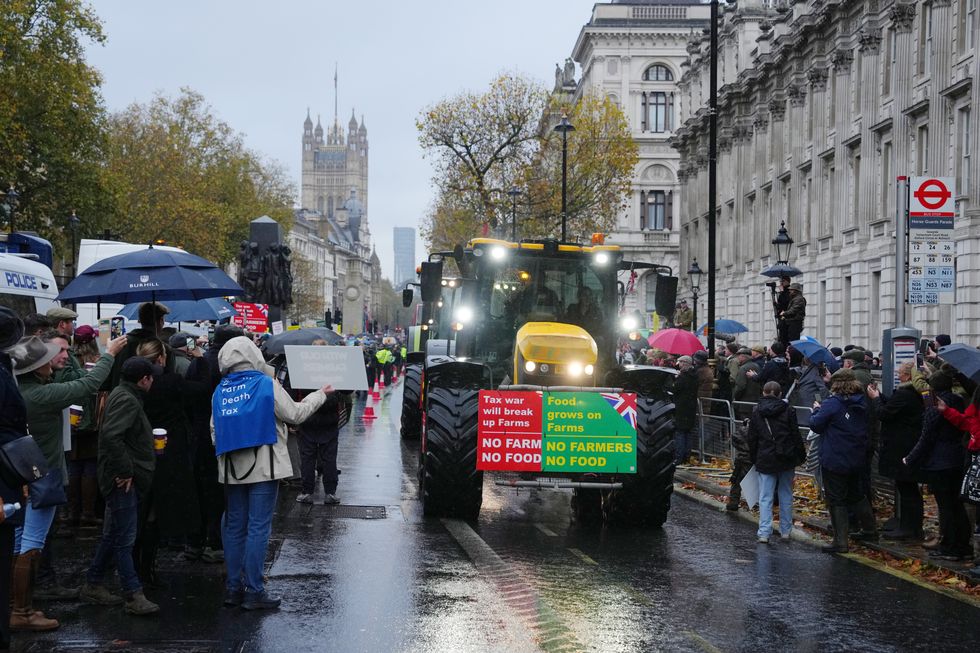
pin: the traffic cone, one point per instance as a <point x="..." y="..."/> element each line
<point x="369" y="411"/>
<point x="381" y="383"/>
<point x="374" y="391"/>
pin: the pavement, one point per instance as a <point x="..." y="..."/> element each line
<point x="374" y="575"/>
<point x="820" y="524"/>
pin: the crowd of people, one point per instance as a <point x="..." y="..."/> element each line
<point x="927" y="432"/>
<point x="138" y="444"/>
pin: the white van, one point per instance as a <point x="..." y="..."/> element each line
<point x="90" y="252"/>
<point x="26" y="286"/>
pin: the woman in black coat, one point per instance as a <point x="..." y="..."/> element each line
<point x="13" y="425"/>
<point x="901" y="424"/>
<point x="171" y="511"/>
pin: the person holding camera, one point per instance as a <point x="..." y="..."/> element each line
<point x="780" y="302"/>
<point x="791" y="318"/>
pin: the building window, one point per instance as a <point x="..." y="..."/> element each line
<point x="653" y="210"/>
<point x="967" y="33"/>
<point x="889" y="66"/>
<point x="659" y="112"/>
<point x="809" y="117"/>
<point x="922" y="150"/>
<point x="857" y="82"/>
<point x="855" y="188"/>
<point x="832" y="105"/>
<point x="330" y="207"/>
<point x="884" y="200"/>
<point x="964" y="157"/>
<point x="807" y="207"/>
<point x="658" y="73"/>
<point x="925" y="39"/>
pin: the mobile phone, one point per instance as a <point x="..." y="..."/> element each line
<point x="924" y="346"/>
<point x="919" y="360"/>
<point x="191" y="344"/>
<point x="117" y="327"/>
<point x="210" y="334"/>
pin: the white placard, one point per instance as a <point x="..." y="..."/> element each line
<point x="312" y="366"/>
<point x="277" y="327"/>
<point x="750" y="487"/>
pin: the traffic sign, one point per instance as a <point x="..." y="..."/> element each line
<point x="931" y="252"/>
<point x="932" y="196"/>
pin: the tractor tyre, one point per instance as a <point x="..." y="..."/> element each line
<point x="411" y="406"/>
<point x="644" y="498"/>
<point x="449" y="483"/>
<point x="587" y="506"/>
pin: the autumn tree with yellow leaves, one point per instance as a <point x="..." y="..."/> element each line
<point x="482" y="145"/>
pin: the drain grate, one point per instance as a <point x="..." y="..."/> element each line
<point x="116" y="646"/>
<point x="342" y="511"/>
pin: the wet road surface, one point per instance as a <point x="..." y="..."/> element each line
<point x="522" y="578"/>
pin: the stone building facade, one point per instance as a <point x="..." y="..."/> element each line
<point x="631" y="51"/>
<point x="822" y="104"/>
<point x="333" y="166"/>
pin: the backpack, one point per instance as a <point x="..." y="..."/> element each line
<point x="791" y="449"/>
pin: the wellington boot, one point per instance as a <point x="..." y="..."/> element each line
<point x="838" y="518"/>
<point x="23" y="616"/>
<point x="866" y="517"/>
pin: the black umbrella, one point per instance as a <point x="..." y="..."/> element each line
<point x="276" y="344"/>
<point x="781" y="270"/>
<point x="964" y="358"/>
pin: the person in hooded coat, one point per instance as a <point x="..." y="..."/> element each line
<point x="844" y="424"/>
<point x="251" y="475"/>
<point x="774" y="439"/>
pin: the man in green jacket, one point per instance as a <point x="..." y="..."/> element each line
<point x="126" y="464"/>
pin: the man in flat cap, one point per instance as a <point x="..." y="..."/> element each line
<point x="63" y="321"/>
<point x="792" y="318"/>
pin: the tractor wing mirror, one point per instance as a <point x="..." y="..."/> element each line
<point x="407" y="296"/>
<point x="430" y="281"/>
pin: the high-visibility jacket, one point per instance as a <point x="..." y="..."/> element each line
<point x="404" y="353"/>
<point x="383" y="356"/>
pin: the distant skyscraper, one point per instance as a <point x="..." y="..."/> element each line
<point x="404" y="238"/>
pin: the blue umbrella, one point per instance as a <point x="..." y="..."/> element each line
<point x="212" y="308"/>
<point x="726" y="326"/>
<point x="781" y="270"/>
<point x="816" y="352"/>
<point x="149" y="275"/>
<point x="964" y="358"/>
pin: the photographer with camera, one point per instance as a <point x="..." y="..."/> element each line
<point x="780" y="302"/>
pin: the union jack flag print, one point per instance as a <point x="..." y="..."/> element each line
<point x="624" y="404"/>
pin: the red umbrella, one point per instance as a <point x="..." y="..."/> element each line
<point x="675" y="341"/>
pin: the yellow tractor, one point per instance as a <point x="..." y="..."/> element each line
<point x="535" y="316"/>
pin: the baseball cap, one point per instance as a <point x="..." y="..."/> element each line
<point x="180" y="339"/>
<point x="137" y="367"/>
<point x="85" y="334"/>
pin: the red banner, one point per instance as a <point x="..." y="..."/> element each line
<point x="509" y="432"/>
<point x="252" y="317"/>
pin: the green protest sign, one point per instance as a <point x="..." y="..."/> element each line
<point x="588" y="432"/>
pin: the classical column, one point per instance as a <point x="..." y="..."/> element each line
<point x="870" y="48"/>
<point x="902" y="15"/>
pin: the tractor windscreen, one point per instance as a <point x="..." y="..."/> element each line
<point x="536" y="288"/>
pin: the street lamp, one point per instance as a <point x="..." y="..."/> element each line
<point x="563" y="128"/>
<point x="73" y="222"/>
<point x="694" y="274"/>
<point x="9" y="202"/>
<point x="513" y="192"/>
<point x="783" y="244"/>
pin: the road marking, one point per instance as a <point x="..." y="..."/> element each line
<point x="584" y="558"/>
<point x="702" y="642"/>
<point x="547" y="531"/>
<point x="551" y="633"/>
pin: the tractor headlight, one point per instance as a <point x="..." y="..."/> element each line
<point x="464" y="314"/>
<point x="544" y="368"/>
<point x="530" y="366"/>
<point x="601" y="258"/>
<point x="575" y="369"/>
<point x="628" y="323"/>
<point x="589" y="369"/>
<point x="498" y="253"/>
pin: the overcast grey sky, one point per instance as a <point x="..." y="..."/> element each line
<point x="261" y="64"/>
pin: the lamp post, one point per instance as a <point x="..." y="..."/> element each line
<point x="73" y="222"/>
<point x="694" y="274"/>
<point x="9" y="201"/>
<point x="513" y="192"/>
<point x="563" y="128"/>
<point x="783" y="244"/>
<point x="712" y="172"/>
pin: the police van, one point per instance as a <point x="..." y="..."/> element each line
<point x="26" y="286"/>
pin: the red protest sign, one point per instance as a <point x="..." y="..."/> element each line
<point x="509" y="432"/>
<point x="252" y="317"/>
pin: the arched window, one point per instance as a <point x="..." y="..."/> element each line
<point x="658" y="73"/>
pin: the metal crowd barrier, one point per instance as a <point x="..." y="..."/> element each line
<point x="719" y="417"/>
